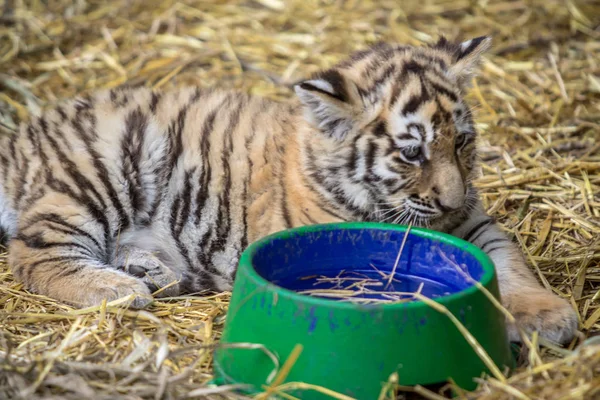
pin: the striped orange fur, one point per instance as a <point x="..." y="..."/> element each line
<point x="128" y="190"/>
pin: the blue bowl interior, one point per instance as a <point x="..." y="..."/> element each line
<point x="310" y="260"/>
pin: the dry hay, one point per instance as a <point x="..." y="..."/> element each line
<point x="538" y="111"/>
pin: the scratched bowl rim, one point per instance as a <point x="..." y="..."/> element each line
<point x="245" y="264"/>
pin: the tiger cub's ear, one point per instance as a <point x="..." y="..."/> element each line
<point x="466" y="56"/>
<point x="330" y="102"/>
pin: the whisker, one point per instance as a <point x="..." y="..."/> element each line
<point x="389" y="211"/>
<point x="393" y="216"/>
<point x="400" y="215"/>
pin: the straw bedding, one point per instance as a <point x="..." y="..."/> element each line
<point x="538" y="109"/>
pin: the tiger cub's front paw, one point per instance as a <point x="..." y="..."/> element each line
<point x="107" y="285"/>
<point x="149" y="269"/>
<point x="542" y="311"/>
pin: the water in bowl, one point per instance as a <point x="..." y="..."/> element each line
<point x="367" y="286"/>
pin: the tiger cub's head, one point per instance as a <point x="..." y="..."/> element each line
<point x="395" y="139"/>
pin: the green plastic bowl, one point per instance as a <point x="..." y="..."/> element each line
<point x="354" y="348"/>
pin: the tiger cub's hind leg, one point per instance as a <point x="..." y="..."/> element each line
<point x="147" y="266"/>
<point x="60" y="250"/>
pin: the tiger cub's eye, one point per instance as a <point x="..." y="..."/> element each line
<point x="460" y="140"/>
<point x="412" y="153"/>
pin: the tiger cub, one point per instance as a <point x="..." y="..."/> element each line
<point x="129" y="190"/>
